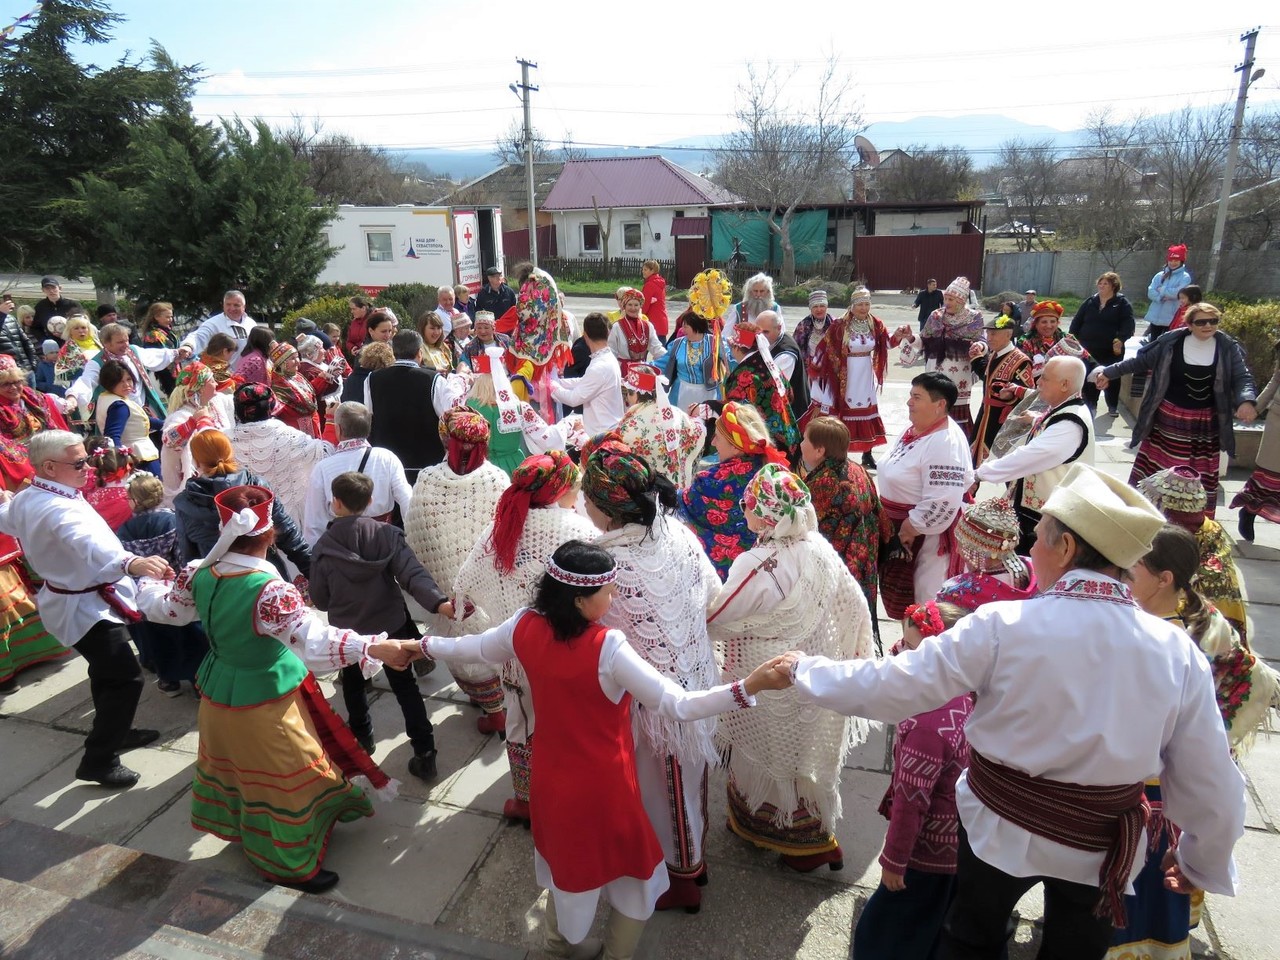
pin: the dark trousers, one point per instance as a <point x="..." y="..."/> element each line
<point x="1091" y="394"/>
<point x="404" y="684"/>
<point x="115" y="682"/>
<point x="176" y="652"/>
<point x="904" y="925"/>
<point x="978" y="928"/>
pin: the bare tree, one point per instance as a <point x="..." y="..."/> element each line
<point x="924" y="173"/>
<point x="1029" y="180"/>
<point x="780" y="157"/>
<point x="1108" y="203"/>
<point x="605" y="224"/>
<point x="509" y="147"/>
<point x="570" y="150"/>
<point x="342" y="170"/>
<point x="1255" y="212"/>
<point x="1186" y="150"/>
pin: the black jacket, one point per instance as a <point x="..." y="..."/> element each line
<point x="198" y="520"/>
<point x="44" y="310"/>
<point x="358" y="568"/>
<point x="497" y="301"/>
<point x="14" y="342"/>
<point x="927" y="302"/>
<point x="799" y="376"/>
<point x="1096" y="326"/>
<point x="404" y="416"/>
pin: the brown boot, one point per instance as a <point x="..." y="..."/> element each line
<point x="556" y="945"/>
<point x="621" y="936"/>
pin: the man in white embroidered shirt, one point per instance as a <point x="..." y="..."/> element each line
<point x="351" y="422"/>
<point x="599" y="390"/>
<point x="1060" y="437"/>
<point x="1081" y="698"/>
<point x="87" y="597"/>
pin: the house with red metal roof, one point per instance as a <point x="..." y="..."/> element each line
<point x="611" y="207"/>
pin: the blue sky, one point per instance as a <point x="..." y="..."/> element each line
<point x="428" y="73"/>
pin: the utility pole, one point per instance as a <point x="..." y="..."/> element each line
<point x="1233" y="151"/>
<point x="522" y="90"/>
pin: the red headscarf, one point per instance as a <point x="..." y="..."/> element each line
<point x="539" y="481"/>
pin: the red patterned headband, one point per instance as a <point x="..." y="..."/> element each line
<point x="927" y="618"/>
<point x="581" y="579"/>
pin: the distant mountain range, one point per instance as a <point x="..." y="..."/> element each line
<point x="980" y="134"/>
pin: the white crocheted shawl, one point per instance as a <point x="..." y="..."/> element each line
<point x="448" y="515"/>
<point x="284" y="456"/>
<point x="665" y="586"/>
<point x="498" y="595"/>
<point x="786" y="752"/>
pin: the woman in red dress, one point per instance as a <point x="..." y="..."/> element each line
<point x="591" y="835"/>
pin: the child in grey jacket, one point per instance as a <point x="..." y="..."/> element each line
<point x="358" y="568"/>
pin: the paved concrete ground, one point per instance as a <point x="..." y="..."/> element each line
<point x="441" y="855"/>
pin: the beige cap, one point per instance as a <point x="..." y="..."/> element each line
<point x="1110" y="516"/>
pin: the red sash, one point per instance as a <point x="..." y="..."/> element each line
<point x="108" y="593"/>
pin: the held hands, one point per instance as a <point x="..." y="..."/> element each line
<point x="977" y="349"/>
<point x="903" y="331"/>
<point x="1100" y="380"/>
<point x="445" y="610"/>
<point x="1247" y="412"/>
<point x="184" y="352"/>
<point x="392" y="653"/>
<point x="157" y="568"/>
<point x="773" y="674"/>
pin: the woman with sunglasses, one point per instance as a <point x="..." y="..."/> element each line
<point x="1199" y="384"/>
<point x="24" y="411"/>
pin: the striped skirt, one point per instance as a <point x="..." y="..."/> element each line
<point x="1181" y="437"/>
<point x="1261" y="495"/>
<point x="805" y="835"/>
<point x="264" y="780"/>
<point x="23" y="639"/>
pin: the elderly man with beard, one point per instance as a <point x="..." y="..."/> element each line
<point x="757" y="297"/>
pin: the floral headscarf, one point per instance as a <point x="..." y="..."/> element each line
<point x="539" y="481"/>
<point x="466" y="436"/>
<point x="254" y="403"/>
<point x="733" y="431"/>
<point x="630" y="293"/>
<point x="780" y="498"/>
<point x="193" y="376"/>
<point x="618" y="480"/>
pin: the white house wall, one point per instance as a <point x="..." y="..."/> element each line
<point x="653" y="220"/>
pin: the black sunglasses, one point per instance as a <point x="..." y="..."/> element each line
<point x="1205" y="322"/>
<point x="75" y="464"/>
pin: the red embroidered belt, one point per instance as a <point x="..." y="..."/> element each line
<point x="1106" y="820"/>
<point x="108" y="593"/>
<point x="384" y="517"/>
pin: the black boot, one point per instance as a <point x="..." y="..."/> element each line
<point x="868" y="461"/>
<point x="1245" y="524"/>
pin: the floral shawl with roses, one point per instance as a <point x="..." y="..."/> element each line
<point x="851" y="518"/>
<point x="750" y="382"/>
<point x="711" y="507"/>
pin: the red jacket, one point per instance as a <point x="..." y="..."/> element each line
<point x="356" y="332"/>
<point x="655" y="303"/>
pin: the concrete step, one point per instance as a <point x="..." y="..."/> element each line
<point x="67" y="897"/>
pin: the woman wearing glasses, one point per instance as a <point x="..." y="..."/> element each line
<point x="24" y="411"/>
<point x="1198" y="381"/>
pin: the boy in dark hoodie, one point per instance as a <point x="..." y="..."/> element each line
<point x="358" y="568"/>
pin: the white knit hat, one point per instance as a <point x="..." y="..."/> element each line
<point x="1110" y="516"/>
<point x="959" y="287"/>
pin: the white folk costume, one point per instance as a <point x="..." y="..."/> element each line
<point x="450" y="513"/>
<point x="792" y="590"/>
<point x="284" y="457"/>
<point x="1072" y="723"/>
<point x="944" y="343"/>
<point x="924" y="478"/>
<point x="1058" y="438"/>
<point x="184" y="421"/>
<point x="527" y="543"/>
<point x="665" y="585"/>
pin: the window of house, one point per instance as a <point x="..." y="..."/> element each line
<point x="590" y="238"/>
<point x="379" y="246"/>
<point x="631" y="237"/>
<point x="679" y="213"/>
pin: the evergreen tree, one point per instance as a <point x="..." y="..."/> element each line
<point x="63" y="120"/>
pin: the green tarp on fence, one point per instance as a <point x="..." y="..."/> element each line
<point x="759" y="244"/>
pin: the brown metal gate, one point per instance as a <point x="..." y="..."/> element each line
<point x="904" y="263"/>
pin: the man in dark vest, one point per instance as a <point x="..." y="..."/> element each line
<point x="406" y="401"/>
<point x="786" y="354"/>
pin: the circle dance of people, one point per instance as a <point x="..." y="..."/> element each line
<point x="643" y="556"/>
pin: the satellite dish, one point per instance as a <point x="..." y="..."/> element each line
<point x="866" y="152"/>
